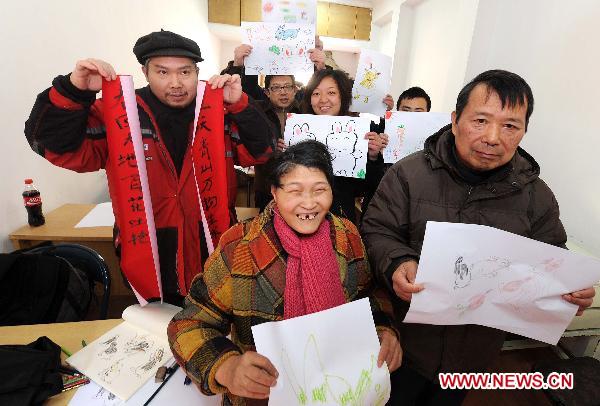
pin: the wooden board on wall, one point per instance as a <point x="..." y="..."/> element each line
<point x="322" y="18"/>
<point x="251" y="10"/>
<point x="363" y="24"/>
<point x="342" y="21"/>
<point x="224" y="12"/>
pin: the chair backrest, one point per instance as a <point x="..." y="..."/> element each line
<point x="89" y="261"/>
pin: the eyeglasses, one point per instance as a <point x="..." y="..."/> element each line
<point x="279" y="89"/>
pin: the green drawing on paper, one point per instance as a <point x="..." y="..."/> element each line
<point x="331" y="389"/>
<point x="275" y="49"/>
<point x="361" y="174"/>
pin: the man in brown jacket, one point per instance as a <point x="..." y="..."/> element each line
<point x="471" y="171"/>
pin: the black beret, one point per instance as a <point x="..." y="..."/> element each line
<point x="165" y="43"/>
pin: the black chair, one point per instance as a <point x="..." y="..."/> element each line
<point x="87" y="260"/>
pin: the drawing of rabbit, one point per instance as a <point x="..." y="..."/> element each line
<point x="462" y="275"/>
<point x="341" y="142"/>
<point x="300" y="133"/>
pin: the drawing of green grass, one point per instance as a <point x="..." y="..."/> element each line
<point x="332" y="389"/>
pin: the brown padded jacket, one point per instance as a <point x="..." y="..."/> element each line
<point x="427" y="186"/>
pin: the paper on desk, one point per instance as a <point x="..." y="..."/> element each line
<point x="100" y="216"/>
<point x="481" y="275"/>
<point x="125" y="357"/>
<point x="173" y="393"/>
<point x="325" y="356"/>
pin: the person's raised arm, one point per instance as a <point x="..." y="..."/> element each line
<point x="66" y="125"/>
<point x="250" y="84"/>
<point x="254" y="128"/>
<point x="88" y="74"/>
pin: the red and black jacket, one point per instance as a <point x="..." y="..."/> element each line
<point x="66" y="128"/>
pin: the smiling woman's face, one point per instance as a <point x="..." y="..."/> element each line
<point x="325" y="99"/>
<point x="303" y="199"/>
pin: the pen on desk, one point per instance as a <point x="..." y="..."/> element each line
<point x="67" y="352"/>
<point x="170" y="372"/>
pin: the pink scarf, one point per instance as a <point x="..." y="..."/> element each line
<point x="312" y="275"/>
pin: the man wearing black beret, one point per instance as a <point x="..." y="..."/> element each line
<point x="66" y="127"/>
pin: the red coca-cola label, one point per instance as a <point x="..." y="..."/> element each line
<point x="32" y="200"/>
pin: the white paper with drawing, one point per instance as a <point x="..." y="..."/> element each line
<point x="325" y="358"/>
<point x="407" y="132"/>
<point x="343" y="135"/>
<point x="124" y="358"/>
<point x="372" y="82"/>
<point x="289" y="11"/>
<point x="174" y="392"/>
<point x="481" y="275"/>
<point x="278" y="48"/>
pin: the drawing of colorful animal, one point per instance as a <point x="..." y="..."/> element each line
<point x="275" y="49"/>
<point x="283" y="34"/>
<point x="268" y="7"/>
<point x="370" y="77"/>
<point x="300" y="133"/>
<point x="341" y="142"/>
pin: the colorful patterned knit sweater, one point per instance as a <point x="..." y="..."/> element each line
<point x="243" y="285"/>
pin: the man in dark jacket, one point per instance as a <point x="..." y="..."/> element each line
<point x="66" y="126"/>
<point x="472" y="171"/>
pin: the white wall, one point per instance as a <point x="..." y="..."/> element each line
<point x="227" y="48"/>
<point x="43" y="39"/>
<point x="347" y="61"/>
<point x="553" y="45"/>
<point x="441" y="39"/>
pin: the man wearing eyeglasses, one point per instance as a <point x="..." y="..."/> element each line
<point x="280" y="92"/>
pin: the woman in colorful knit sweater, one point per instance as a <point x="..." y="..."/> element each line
<point x="293" y="259"/>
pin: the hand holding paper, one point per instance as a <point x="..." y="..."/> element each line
<point x="390" y="350"/>
<point x="88" y="74"/>
<point x="250" y="375"/>
<point x="494" y="278"/>
<point x="317" y="56"/>
<point x="582" y="298"/>
<point x="240" y="53"/>
<point x="388" y="100"/>
<point x="231" y="85"/>
<point x="403" y="280"/>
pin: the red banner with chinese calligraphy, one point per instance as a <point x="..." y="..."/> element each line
<point x="133" y="206"/>
<point x="208" y="156"/>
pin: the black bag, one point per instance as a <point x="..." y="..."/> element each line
<point x="586" y="373"/>
<point x="41" y="288"/>
<point x="29" y="374"/>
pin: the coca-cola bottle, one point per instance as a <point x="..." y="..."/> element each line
<point x="33" y="204"/>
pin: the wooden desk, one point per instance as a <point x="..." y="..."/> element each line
<point x="60" y="227"/>
<point x="67" y="335"/>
